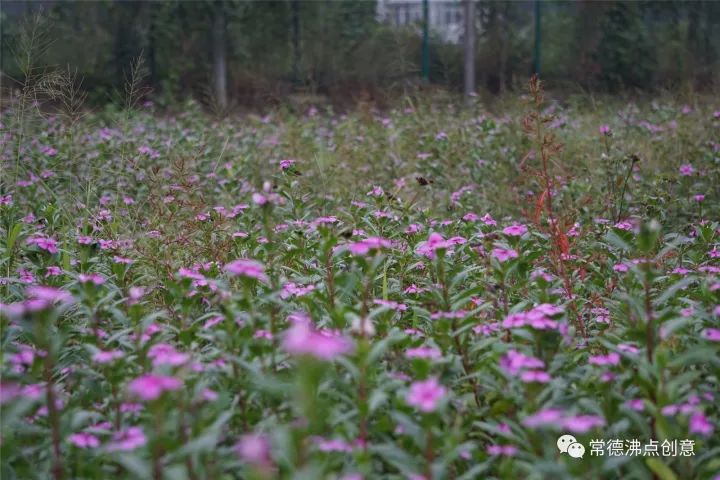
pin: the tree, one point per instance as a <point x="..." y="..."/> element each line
<point x="218" y="32"/>
<point x="469" y="47"/>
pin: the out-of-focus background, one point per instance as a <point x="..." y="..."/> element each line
<point x="236" y="53"/>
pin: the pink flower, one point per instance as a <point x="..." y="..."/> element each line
<point x="107" y="356"/>
<point x="247" y="268"/>
<point x="436" y="242"/>
<point x="712" y="334"/>
<point x="149" y="151"/>
<point x="208" y="395"/>
<point x="686" y="170"/>
<point x="486" y="329"/>
<point x="376" y="192"/>
<point x="637" y="404"/>
<point x="48" y="150"/>
<point x="127" y="440"/>
<point x="212" y="321"/>
<point x="107" y="244"/>
<point x="53" y="271"/>
<point x="700" y="424"/>
<point x="549" y="416"/>
<point x="352" y="476"/>
<point x="504" y="254"/>
<point x="151" y="387"/>
<point x="488" y="220"/>
<point x="44" y="243"/>
<point x="582" y="423"/>
<point x="604" y="129"/>
<point x="624" y="225"/>
<point x="413" y="289"/>
<point x="538" y="376"/>
<point x="558" y="418"/>
<point x="135" y="294"/>
<point x="303" y="339"/>
<point x="94" y="278"/>
<point x="332" y="445"/>
<point x="254" y="449"/>
<point x="400" y="307"/>
<point x="537" y="318"/>
<point x="259" y="199"/>
<point x="425" y="395"/>
<point x="84" y="440"/>
<point x="49" y="294"/>
<point x="265" y="334"/>
<point x="164" y="354"/>
<point x="131" y="407"/>
<point x="513" y="362"/>
<point x="413" y="228"/>
<point x="423" y="352"/>
<point x="39" y="298"/>
<point x="628" y="348"/>
<point x="516" y="230"/>
<point x="363" y="247"/>
<point x="84" y="240"/>
<point x="502" y="450"/>
<point x="291" y="289"/>
<point x="287" y="163"/>
<point x="612" y="358"/>
<point x="448" y="315"/>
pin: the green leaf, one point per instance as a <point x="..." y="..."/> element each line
<point x="379" y="348"/>
<point x="614" y="239"/>
<point x="648" y="237"/>
<point x="135" y="465"/>
<point x="672" y="290"/>
<point x="209" y="438"/>
<point x="12" y="236"/>
<point x="660" y="469"/>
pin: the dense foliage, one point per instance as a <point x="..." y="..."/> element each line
<point x="426" y="292"/>
<point x="341" y="49"/>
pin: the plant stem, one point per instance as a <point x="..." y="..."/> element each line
<point x="429" y="455"/>
<point x="54" y="419"/>
<point x="622" y="195"/>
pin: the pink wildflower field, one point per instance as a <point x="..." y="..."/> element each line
<point x="423" y="292"/>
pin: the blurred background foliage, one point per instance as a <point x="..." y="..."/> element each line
<point x="342" y="51"/>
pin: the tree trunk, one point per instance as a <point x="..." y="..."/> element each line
<point x="296" y="41"/>
<point x="469" y="47"/>
<point x="219" y="57"/>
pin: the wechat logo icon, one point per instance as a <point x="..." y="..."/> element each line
<point x="569" y="444"/>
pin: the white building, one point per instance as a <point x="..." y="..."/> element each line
<point x="445" y="16"/>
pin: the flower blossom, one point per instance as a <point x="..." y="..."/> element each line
<point x="517" y="230"/>
<point x="303" y="339"/>
<point x="425" y="395"/>
<point x="84" y="440"/>
<point x="423" y="352"/>
<point x="165" y="354"/>
<point x="151" y="387"/>
<point x="504" y="254"/>
<point x="127" y="440"/>
<point x="363" y="247"/>
<point x="246" y="267"/>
